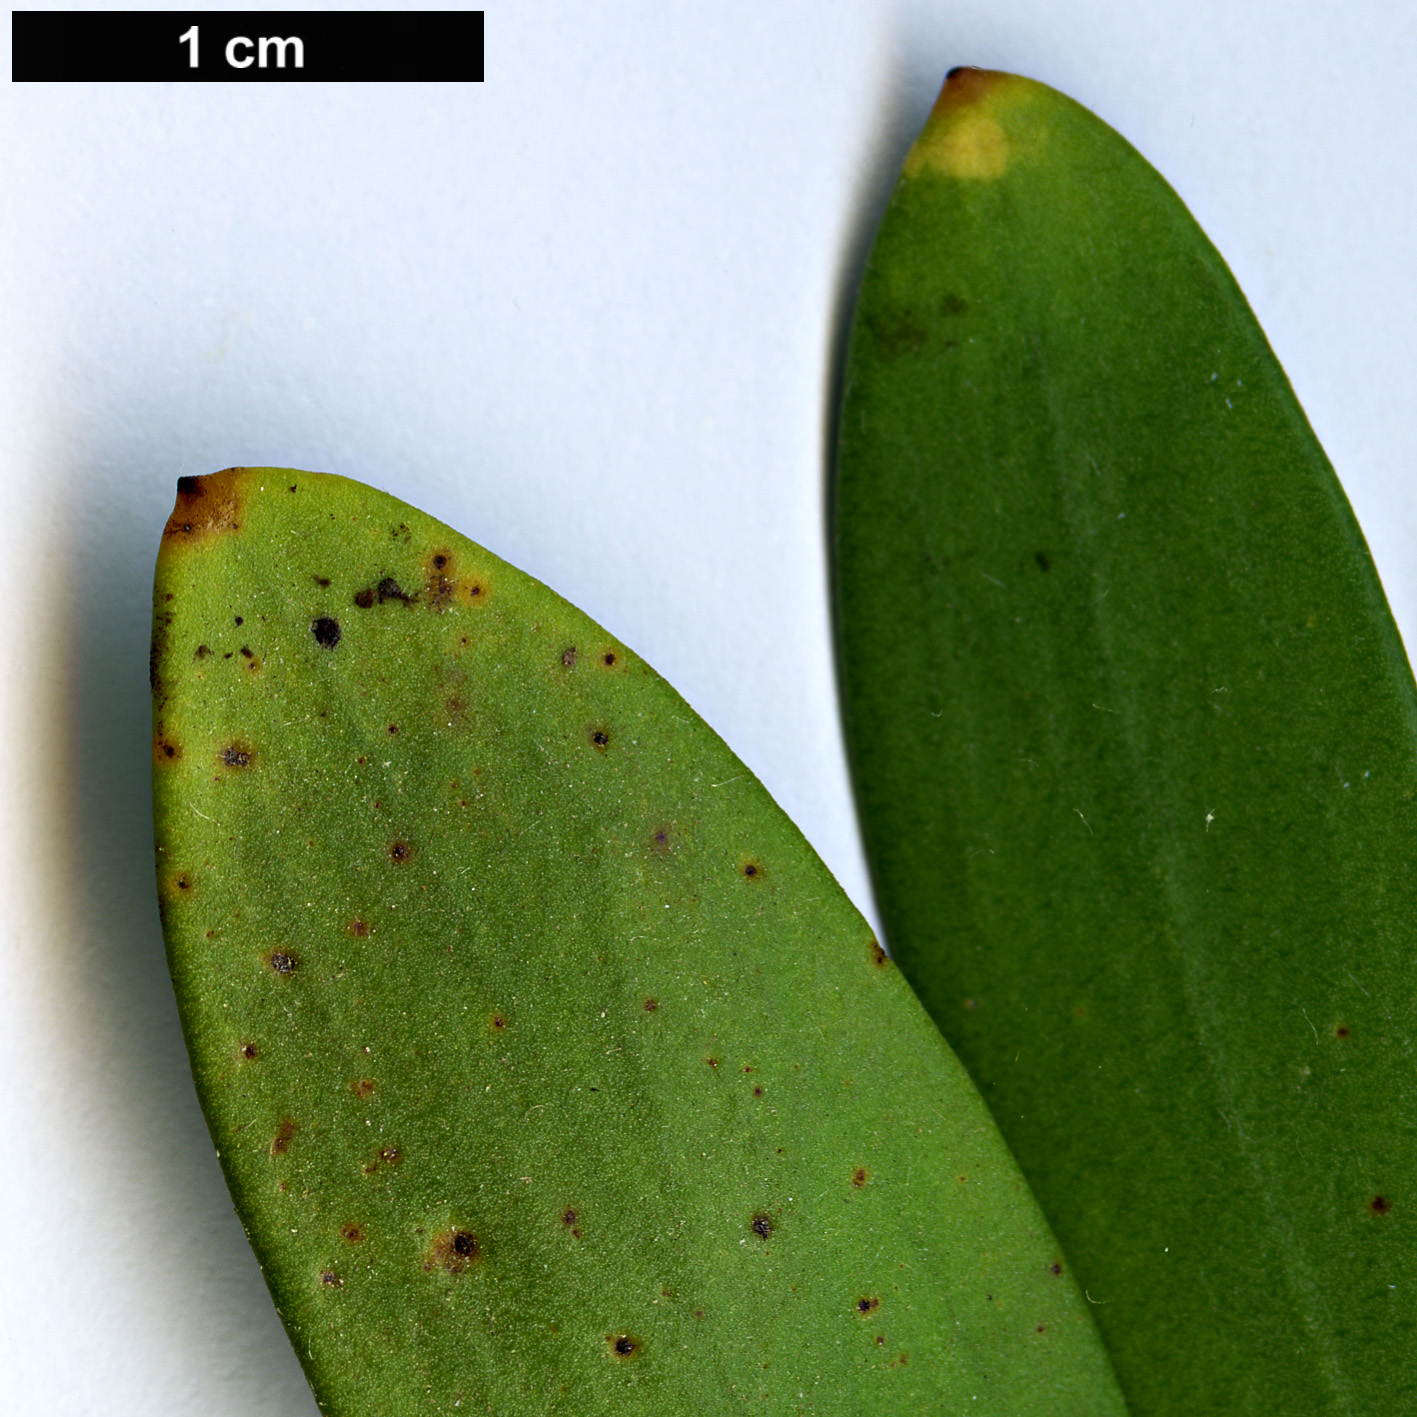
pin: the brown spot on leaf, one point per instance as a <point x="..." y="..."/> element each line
<point x="322" y="581"/>
<point x="327" y="1276"/>
<point x="393" y="730"/>
<point x="390" y="1155"/>
<point x="284" y="1134"/>
<point x="352" y="1233"/>
<point x="454" y="1250"/>
<point x="362" y="1087"/>
<point x="651" y="1005"/>
<point x="761" y="1226"/>
<point x="400" y="851"/>
<point x="236" y="755"/>
<point x="248" y="1051"/>
<point x="1379" y="1205"/>
<point x="206" y="507"/>
<point x="1038" y="1329"/>
<point x="364" y="599"/>
<point x="757" y="1092"/>
<point x="751" y="869"/>
<point x="201" y="652"/>
<point x="859" y="1177"/>
<point x="1341" y="1031"/>
<point x="165" y="749"/>
<point x="1043" y="562"/>
<point x="1056" y="1267"/>
<point x="878" y="956"/>
<point x="283" y="962"/>
<point x="600" y="738"/>
<point x="569" y="657"/>
<point x="499" y="1021"/>
<point x="659" y="839"/>
<point x="623" y="1345"/>
<point x="358" y="928"/>
<point x="866" y="1306"/>
<point x="608" y="659"/>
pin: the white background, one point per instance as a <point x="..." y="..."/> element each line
<point x="589" y="313"/>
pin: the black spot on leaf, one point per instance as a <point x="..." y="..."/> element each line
<point x="761" y="1226"/>
<point x="326" y="631"/>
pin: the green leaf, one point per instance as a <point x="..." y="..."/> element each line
<point x="1133" y="737"/>
<point x="550" y="1070"/>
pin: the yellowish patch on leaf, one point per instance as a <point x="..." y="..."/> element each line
<point x="968" y="145"/>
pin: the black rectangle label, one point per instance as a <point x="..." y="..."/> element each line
<point x="247" y="46"/>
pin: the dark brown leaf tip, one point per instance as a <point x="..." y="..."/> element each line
<point x="866" y="1306"/>
<point x="206" y="507"/>
<point x="623" y="1345"/>
<point x="966" y="86"/>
